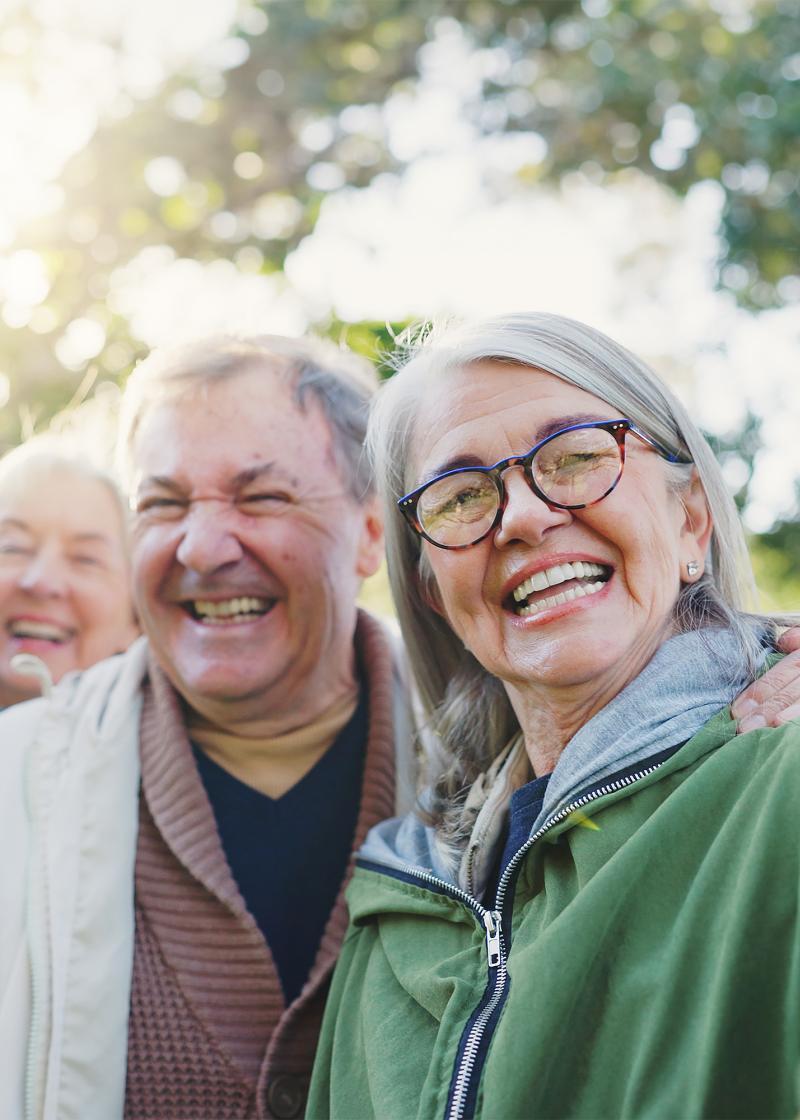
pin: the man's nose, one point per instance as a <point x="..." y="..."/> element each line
<point x="526" y="517"/>
<point x="45" y="575"/>
<point x="208" y="537"/>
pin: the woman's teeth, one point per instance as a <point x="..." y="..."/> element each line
<point x="43" y="631"/>
<point x="552" y="577"/>
<point x="578" y="592"/>
<point x="229" y="610"/>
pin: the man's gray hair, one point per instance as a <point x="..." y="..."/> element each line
<point x="341" y="382"/>
<point x="466" y="707"/>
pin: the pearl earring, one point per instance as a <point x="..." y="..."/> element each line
<point x="692" y="569"/>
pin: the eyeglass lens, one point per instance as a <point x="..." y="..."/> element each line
<point x="573" y="469"/>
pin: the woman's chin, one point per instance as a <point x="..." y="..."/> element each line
<point x="596" y="659"/>
<point x="569" y="665"/>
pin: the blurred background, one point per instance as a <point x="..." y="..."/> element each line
<point x="172" y="168"/>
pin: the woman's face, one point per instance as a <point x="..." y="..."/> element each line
<point x="637" y="540"/>
<point x="64" y="592"/>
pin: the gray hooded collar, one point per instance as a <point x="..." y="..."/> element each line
<point x="690" y="678"/>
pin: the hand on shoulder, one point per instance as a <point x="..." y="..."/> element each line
<point x="773" y="699"/>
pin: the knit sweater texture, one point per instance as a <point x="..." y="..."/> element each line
<point x="210" y="1036"/>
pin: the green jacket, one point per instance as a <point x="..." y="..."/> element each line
<point x="648" y="962"/>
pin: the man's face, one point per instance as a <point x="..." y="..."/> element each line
<point x="248" y="550"/>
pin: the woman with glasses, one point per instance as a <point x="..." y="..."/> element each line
<point x="596" y="911"/>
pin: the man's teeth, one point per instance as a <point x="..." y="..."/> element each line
<point x="27" y="628"/>
<point x="551" y="577"/>
<point x="230" y="610"/>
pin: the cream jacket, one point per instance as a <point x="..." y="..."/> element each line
<point x="69" y="782"/>
<point x="69" y="777"/>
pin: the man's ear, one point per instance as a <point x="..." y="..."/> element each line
<point x="697" y="525"/>
<point x="370" y="547"/>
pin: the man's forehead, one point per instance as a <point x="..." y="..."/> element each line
<point x="262" y="382"/>
<point x="225" y="430"/>
<point x="253" y="403"/>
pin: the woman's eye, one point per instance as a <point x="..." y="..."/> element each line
<point x="9" y="549"/>
<point x="87" y="561"/>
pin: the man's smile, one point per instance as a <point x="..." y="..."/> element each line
<point x="225" y="612"/>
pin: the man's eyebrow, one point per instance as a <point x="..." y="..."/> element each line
<point x="242" y="478"/>
<point x="160" y="480"/>
<point x="253" y="474"/>
<point x="548" y="428"/>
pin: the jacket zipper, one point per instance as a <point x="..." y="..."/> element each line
<point x="495" y="944"/>
<point x="492" y="924"/>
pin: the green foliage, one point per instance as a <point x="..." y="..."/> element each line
<point x="375" y="341"/>
<point x="776" y="560"/>
<point x="736" y="453"/>
<point x="673" y="89"/>
<point x="254" y="142"/>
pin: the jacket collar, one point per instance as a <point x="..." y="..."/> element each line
<point x="690" y="678"/>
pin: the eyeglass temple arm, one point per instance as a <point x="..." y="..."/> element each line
<point x="670" y="456"/>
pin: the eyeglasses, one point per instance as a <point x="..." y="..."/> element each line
<point x="570" y="469"/>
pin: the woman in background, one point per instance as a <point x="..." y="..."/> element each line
<point x="596" y="914"/>
<point x="64" y="576"/>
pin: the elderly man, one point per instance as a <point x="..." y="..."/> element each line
<point x="193" y="805"/>
<point x="178" y="822"/>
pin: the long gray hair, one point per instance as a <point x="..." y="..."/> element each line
<point x="465" y="707"/>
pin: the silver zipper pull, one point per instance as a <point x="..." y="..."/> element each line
<point x="491" y="919"/>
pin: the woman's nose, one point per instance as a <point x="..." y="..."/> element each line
<point x="526" y="517"/>
<point x="45" y="574"/>
<point x="208" y="541"/>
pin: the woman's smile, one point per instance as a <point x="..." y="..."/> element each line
<point x="555" y="585"/>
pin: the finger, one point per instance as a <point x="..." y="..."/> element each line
<point x="790" y="640"/>
<point x="788" y="714"/>
<point x="750" y="723"/>
<point x="776" y="692"/>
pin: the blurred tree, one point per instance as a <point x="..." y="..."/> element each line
<point x="775" y="554"/>
<point x="736" y="453"/>
<point x="776" y="560"/>
<point x="231" y="157"/>
<point x="683" y="91"/>
<point x="375" y="341"/>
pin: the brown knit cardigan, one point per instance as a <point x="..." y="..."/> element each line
<point x="210" y="1037"/>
